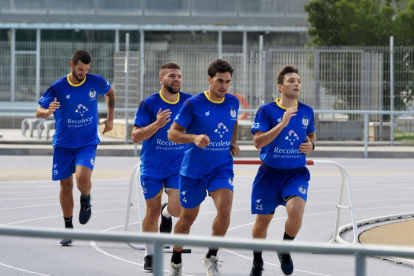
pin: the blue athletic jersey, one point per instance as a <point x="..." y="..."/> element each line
<point x="77" y="117"/>
<point x="283" y="152"/>
<point x="160" y="158"/>
<point x="201" y="115"/>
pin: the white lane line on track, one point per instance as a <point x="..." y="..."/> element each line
<point x="24" y="270"/>
<point x="97" y="248"/>
<point x="59" y="216"/>
<point x="48" y="191"/>
<point x="272" y="264"/>
<point x="58" y="204"/>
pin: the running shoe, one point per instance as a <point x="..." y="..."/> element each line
<point x="212" y="266"/>
<point x="148" y="263"/>
<point x="85" y="211"/>
<point x="257" y="269"/>
<point x="286" y="263"/>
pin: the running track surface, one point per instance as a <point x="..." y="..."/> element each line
<point x="381" y="187"/>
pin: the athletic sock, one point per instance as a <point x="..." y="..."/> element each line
<point x="176" y="257"/>
<point x="257" y="256"/>
<point x="85" y="198"/>
<point x="165" y="212"/>
<point x="287" y="237"/>
<point x="211" y="252"/>
<point x="68" y="222"/>
<point x="149" y="249"/>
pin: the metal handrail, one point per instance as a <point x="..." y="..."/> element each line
<point x="159" y="240"/>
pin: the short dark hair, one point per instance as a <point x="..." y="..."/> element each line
<point x="220" y="66"/>
<point x="169" y="65"/>
<point x="81" y="55"/>
<point x="286" y="70"/>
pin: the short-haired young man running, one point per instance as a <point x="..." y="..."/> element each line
<point x="160" y="158"/>
<point x="284" y="131"/>
<point x="208" y="122"/>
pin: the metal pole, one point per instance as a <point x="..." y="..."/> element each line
<point x="317" y="87"/>
<point x="37" y="64"/>
<point x="260" y="70"/>
<point x="366" y="130"/>
<point x="360" y="262"/>
<point x="220" y="44"/>
<point x="12" y="63"/>
<point x="158" y="259"/>
<point x="126" y="84"/>
<point x="116" y="40"/>
<point x="142" y="68"/>
<point x="136" y="150"/>
<point x="392" y="89"/>
<point x="244" y="82"/>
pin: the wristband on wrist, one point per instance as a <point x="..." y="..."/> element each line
<point x="313" y="145"/>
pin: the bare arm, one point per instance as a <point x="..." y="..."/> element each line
<point x="235" y="149"/>
<point x="42" y="112"/>
<point x="140" y="134"/>
<point x="262" y="139"/>
<point x="177" y="134"/>
<point x="110" y="105"/>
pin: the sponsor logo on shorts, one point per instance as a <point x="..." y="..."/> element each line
<point x="144" y="190"/>
<point x="233" y="112"/>
<point x="68" y="96"/>
<point x="302" y="190"/>
<point x="305" y="121"/>
<point x="92" y="161"/>
<point x="55" y="172"/>
<point x="231" y="181"/>
<point x="42" y="99"/>
<point x="258" y="201"/>
<point x="292" y="137"/>
<point x="221" y="129"/>
<point x="92" y="93"/>
<point x="207" y="113"/>
<point x="259" y="206"/>
<point x="183" y="192"/>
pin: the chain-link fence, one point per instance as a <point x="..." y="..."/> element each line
<point x="333" y="78"/>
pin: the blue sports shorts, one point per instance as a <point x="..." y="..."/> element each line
<point x="194" y="191"/>
<point x="152" y="187"/>
<point x="65" y="160"/>
<point x="271" y="186"/>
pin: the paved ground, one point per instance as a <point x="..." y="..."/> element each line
<point x="29" y="198"/>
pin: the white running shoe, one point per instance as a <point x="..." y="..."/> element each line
<point x="212" y="266"/>
<point x="176" y="269"/>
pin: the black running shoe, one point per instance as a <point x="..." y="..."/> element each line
<point x="166" y="223"/>
<point x="85" y="211"/>
<point x="148" y="263"/>
<point x="286" y="263"/>
<point x="66" y="242"/>
<point x="257" y="269"/>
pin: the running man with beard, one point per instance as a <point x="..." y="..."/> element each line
<point x="73" y="102"/>
<point x="284" y="131"/>
<point x="160" y="158"/>
<point x="208" y="123"/>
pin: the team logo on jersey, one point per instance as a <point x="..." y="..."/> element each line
<point x="292" y="137"/>
<point x="68" y="96"/>
<point x="81" y="109"/>
<point x="302" y="189"/>
<point x="92" y="161"/>
<point x="207" y="113"/>
<point x="233" y="112"/>
<point x="221" y="129"/>
<point x="176" y="117"/>
<point x="92" y="93"/>
<point x="279" y="120"/>
<point x="305" y="121"/>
